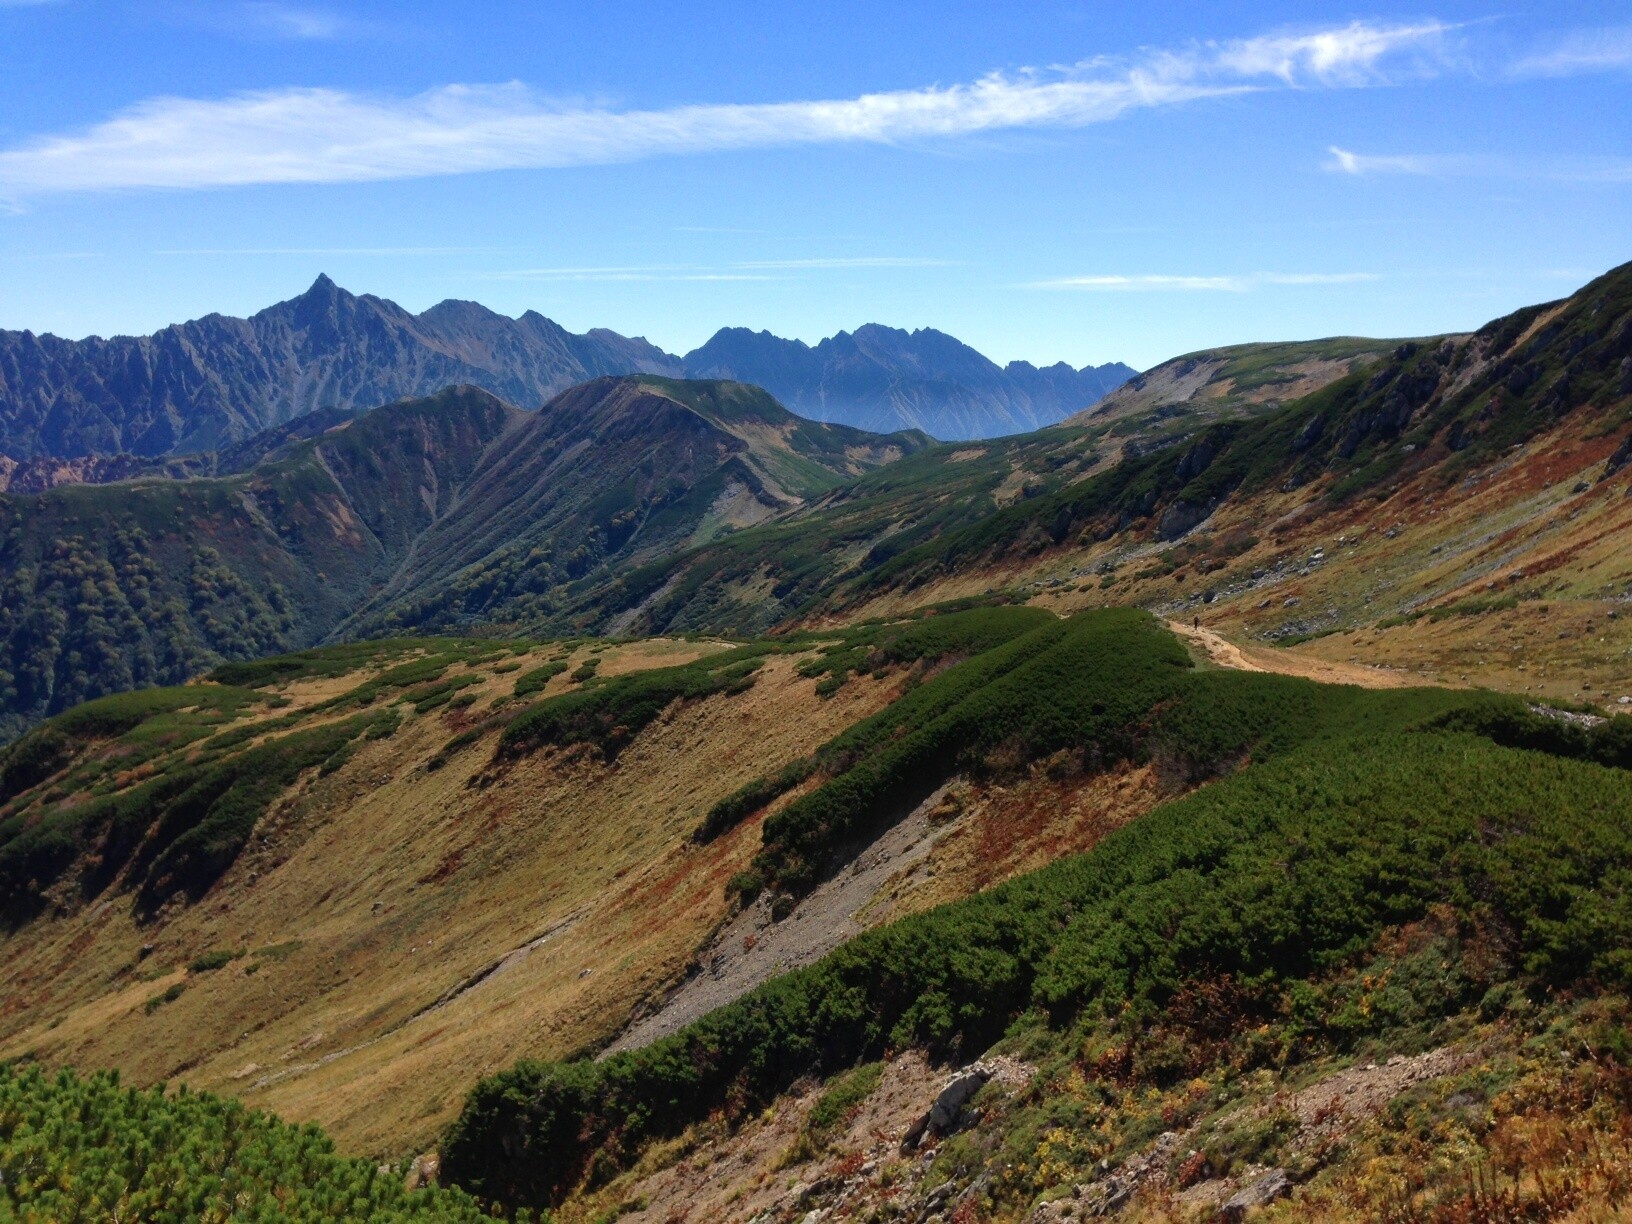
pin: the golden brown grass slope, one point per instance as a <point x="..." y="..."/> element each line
<point x="395" y="932"/>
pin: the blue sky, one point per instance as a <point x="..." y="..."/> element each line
<point x="1088" y="182"/>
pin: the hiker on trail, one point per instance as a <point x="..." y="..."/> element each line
<point x="1195" y="622"/>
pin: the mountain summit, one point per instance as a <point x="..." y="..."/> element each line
<point x="209" y="383"/>
<point x="216" y="380"/>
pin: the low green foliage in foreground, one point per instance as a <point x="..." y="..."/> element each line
<point x="609" y="714"/>
<point x="1360" y="813"/>
<point x="89" y="1149"/>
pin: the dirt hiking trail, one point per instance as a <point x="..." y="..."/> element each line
<point x="1224" y="653"/>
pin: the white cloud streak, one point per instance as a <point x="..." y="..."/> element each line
<point x="874" y="261"/>
<point x="394" y="252"/>
<point x="1199" y="284"/>
<point x="749" y="270"/>
<point x="1581" y="53"/>
<point x="1343" y="161"/>
<point x="307" y="135"/>
<point x="263" y="20"/>
<point x="281" y="21"/>
<point x="653" y="272"/>
<point x="1563" y="170"/>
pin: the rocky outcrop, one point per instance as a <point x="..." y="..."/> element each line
<point x="1180" y="518"/>
<point x="1617" y="461"/>
<point x="1265" y="1190"/>
<point x="948" y="1111"/>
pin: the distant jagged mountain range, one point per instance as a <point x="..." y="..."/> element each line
<point x="885" y="379"/>
<point x="204" y="385"/>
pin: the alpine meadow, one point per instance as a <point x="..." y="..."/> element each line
<point x="1164" y="756"/>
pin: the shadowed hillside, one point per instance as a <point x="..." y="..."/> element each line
<point x="207" y="384"/>
<point x="203" y="385"/>
<point x="796" y="566"/>
<point x="121" y="586"/>
<point x="448" y="510"/>
<point x="606" y="477"/>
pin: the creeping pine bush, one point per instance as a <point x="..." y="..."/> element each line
<point x="76" y="1148"/>
<point x="345" y="657"/>
<point x="1277" y="873"/>
<point x="611" y="713"/>
<point x="750" y="797"/>
<point x="937" y="634"/>
<point x="1086" y="680"/>
<point x="533" y="681"/>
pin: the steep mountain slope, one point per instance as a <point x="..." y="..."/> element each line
<point x="759" y="577"/>
<point x="46" y="472"/>
<point x="607" y="476"/>
<point x="203" y="385"/>
<point x="420" y="887"/>
<point x="410" y="515"/>
<point x="1415" y="495"/>
<point x="120" y="586"/>
<point x="1107" y="509"/>
<point x="1241" y="380"/>
<point x="1480" y="468"/>
<point x="885" y="379"/>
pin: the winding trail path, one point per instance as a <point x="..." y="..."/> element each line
<point x="1225" y="653"/>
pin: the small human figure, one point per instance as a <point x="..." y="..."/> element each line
<point x="1195" y="622"/>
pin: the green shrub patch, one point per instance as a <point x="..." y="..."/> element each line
<point x="91" y="1149"/>
<point x="534" y="681"/>
<point x="1279" y="874"/>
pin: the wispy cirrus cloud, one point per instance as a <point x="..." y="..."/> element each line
<point x="1345" y="161"/>
<point x="1564" y="170"/>
<point x="1581" y="52"/>
<point x="284" y="21"/>
<point x="1199" y="284"/>
<point x="638" y="272"/>
<point x="271" y="20"/>
<point x="396" y="252"/>
<point x="393" y="252"/>
<point x="307" y="135"/>
<point x="748" y="270"/>
<point x="864" y="261"/>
